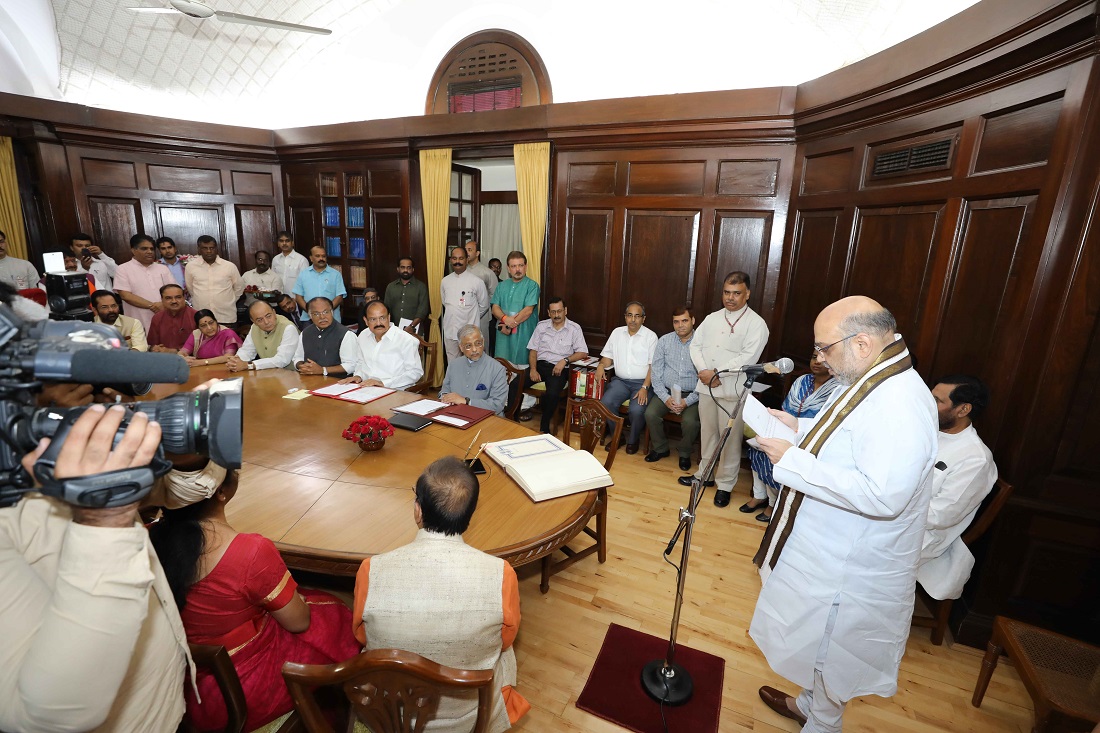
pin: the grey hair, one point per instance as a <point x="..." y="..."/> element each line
<point x="637" y="303"/>
<point x="877" y="323"/>
<point x="468" y="329"/>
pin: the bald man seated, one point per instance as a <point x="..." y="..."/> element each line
<point x="270" y="343"/>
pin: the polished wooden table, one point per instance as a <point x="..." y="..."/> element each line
<point x="327" y="505"/>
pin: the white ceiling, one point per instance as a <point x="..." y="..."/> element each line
<point x="381" y="55"/>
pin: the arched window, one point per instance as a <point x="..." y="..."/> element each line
<point x="494" y="69"/>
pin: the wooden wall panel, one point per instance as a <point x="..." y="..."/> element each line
<point x="816" y="240"/>
<point x="827" y="172"/>
<point x="114" y="221"/>
<point x="890" y="260"/>
<point x="112" y="173"/>
<point x="1018" y="137"/>
<point x="246" y="183"/>
<point x="185" y="224"/>
<point x="747" y="177"/>
<point x="385" y="245"/>
<point x="384" y="182"/>
<point x="256" y="227"/>
<point x="740" y="243"/>
<point x="659" y="258"/>
<point x="671" y="178"/>
<point x="588" y="263"/>
<point x="591" y="178"/>
<point x="184" y="180"/>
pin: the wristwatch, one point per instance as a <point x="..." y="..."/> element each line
<point x="324" y="371"/>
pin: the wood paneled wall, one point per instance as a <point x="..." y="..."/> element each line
<point x="663" y="226"/>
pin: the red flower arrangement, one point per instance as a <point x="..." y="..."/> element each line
<point x="368" y="428"/>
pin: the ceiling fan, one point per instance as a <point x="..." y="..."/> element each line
<point x="202" y="11"/>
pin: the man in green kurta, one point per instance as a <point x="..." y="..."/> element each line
<point x="514" y="305"/>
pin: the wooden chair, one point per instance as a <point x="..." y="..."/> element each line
<point x="518" y="377"/>
<point x="941" y="610"/>
<point x="216" y="661"/>
<point x="428" y="354"/>
<point x="390" y="690"/>
<point x="591" y="418"/>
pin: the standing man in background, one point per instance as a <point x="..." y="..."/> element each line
<point x="729" y="339"/>
<point x="214" y="283"/>
<point x="320" y="281"/>
<point x="288" y="264"/>
<point x="475" y="266"/>
<point x="95" y="261"/>
<point x="465" y="301"/>
<point x="170" y="258"/>
<point x="515" y="304"/>
<point x="138" y="282"/>
<point x="262" y="278"/>
<point x="18" y="273"/>
<point x="407" y="297"/>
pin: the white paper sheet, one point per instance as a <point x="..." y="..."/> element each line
<point x="404" y="323"/>
<point x="336" y="389"/>
<point x="364" y="395"/>
<point x="764" y="423"/>
<point x="421" y="407"/>
<point x="451" y="420"/>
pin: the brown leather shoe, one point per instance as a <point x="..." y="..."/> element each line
<point x="777" y="701"/>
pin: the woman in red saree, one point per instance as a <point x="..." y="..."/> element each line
<point x="234" y="590"/>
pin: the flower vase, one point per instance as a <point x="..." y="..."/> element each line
<point x="372" y="445"/>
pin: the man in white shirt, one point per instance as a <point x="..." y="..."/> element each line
<point x="261" y="279"/>
<point x="18" y="273"/>
<point x="475" y="266"/>
<point x="728" y="339"/>
<point x="964" y="475"/>
<point x="838" y="561"/>
<point x="270" y="343"/>
<point x="325" y="348"/>
<point x="138" y="282"/>
<point x="214" y="283"/>
<point x="95" y="262"/>
<point x="388" y="356"/>
<point x="106" y="306"/>
<point x="288" y="263"/>
<point x="465" y="301"/>
<point x="630" y="351"/>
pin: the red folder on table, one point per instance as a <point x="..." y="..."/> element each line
<point x="460" y="416"/>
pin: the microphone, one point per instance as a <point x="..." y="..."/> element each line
<point x="779" y="366"/>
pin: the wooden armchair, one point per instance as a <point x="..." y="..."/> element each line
<point x="941" y="610"/>
<point x="517" y="378"/>
<point x="216" y="661"/>
<point x="591" y="418"/>
<point x="428" y="354"/>
<point x="390" y="690"/>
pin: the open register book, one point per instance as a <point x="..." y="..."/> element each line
<point x="547" y="468"/>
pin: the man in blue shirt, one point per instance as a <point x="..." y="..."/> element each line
<point x="672" y="371"/>
<point x="320" y="281"/>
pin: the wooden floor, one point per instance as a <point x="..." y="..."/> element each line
<point x="561" y="631"/>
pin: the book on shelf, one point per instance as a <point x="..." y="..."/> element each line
<point x="546" y="468"/>
<point x="333" y="246"/>
<point x="354" y="185"/>
<point x="332" y="216"/>
<point x="358" y="247"/>
<point x="328" y="184"/>
<point x="358" y="276"/>
<point x="355" y="216"/>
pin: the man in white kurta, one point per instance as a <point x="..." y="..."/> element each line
<point x="839" y="560"/>
<point x="965" y="474"/>
<point x="728" y="339"/>
<point x="388" y="356"/>
<point x="288" y="264"/>
<point x="629" y="350"/>
<point x="475" y="266"/>
<point x="465" y="301"/>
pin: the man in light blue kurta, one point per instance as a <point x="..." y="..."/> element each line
<point x="320" y="281"/>
<point x="514" y="305"/>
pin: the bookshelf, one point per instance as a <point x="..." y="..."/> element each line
<point x="357" y="211"/>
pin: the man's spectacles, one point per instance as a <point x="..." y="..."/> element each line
<point x="821" y="351"/>
<point x="633" y="315"/>
<point x="320" y="313"/>
<point x="473" y="345"/>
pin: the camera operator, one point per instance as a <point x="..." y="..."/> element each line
<point x="91" y="637"/>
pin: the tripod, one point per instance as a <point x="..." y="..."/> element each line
<point x="663" y="679"/>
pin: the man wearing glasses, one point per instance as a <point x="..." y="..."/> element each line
<point x="270" y="343"/>
<point x="388" y="356"/>
<point x="325" y="348"/>
<point x="729" y="339"/>
<point x="475" y="379"/>
<point x="630" y="351"/>
<point x="839" y="559"/>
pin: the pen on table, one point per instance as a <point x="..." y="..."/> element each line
<point x="470" y="447"/>
<point x="480" y="448"/>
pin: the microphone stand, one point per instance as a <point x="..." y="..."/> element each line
<point x="663" y="679"/>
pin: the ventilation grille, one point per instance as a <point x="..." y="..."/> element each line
<point x="484" y="63"/>
<point x="927" y="156"/>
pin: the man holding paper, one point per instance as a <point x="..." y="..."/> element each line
<point x="839" y="559"/>
<point x="729" y="339"/>
<point x="388" y="356"/>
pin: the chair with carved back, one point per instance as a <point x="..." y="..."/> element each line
<point x="428" y="352"/>
<point x="590" y="418"/>
<point x="941" y="610"/>
<point x="216" y="661"/>
<point x="390" y="690"/>
<point x="517" y="378"/>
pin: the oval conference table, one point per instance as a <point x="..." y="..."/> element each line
<point x="327" y="505"/>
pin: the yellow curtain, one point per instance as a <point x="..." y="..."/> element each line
<point x="435" y="192"/>
<point x="11" y="210"/>
<point x="533" y="191"/>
